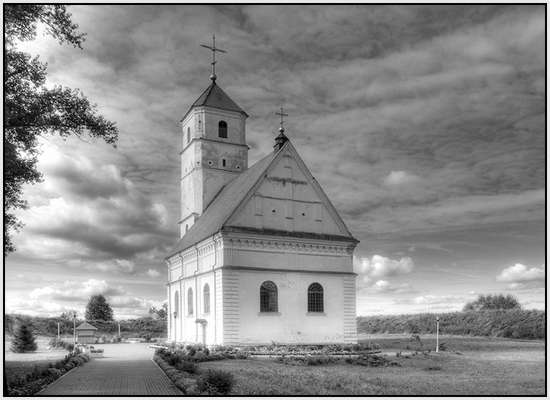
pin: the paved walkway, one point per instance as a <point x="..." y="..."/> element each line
<point x="125" y="369"/>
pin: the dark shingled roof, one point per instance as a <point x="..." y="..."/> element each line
<point x="215" y="97"/>
<point x="223" y="205"/>
<point x="86" y="326"/>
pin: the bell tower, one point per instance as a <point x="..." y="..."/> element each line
<point x="214" y="148"/>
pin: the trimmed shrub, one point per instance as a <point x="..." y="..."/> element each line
<point x="186" y="366"/>
<point x="215" y="382"/>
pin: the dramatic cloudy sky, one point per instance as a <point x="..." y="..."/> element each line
<point x="424" y="124"/>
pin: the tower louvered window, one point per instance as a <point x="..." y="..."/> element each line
<point x="268" y="297"/>
<point x="222" y="129"/>
<point x="315" y="298"/>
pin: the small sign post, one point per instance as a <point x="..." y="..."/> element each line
<point x="437" y="334"/>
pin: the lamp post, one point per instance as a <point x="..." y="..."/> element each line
<point x="118" y="329"/>
<point x="437" y="334"/>
<point x="58" y="336"/>
<point x="74" y="328"/>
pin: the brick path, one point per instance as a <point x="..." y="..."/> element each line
<point x="125" y="369"/>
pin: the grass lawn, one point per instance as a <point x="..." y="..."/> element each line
<point x="20" y="364"/>
<point x="471" y="366"/>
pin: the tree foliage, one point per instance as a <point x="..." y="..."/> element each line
<point x="99" y="309"/>
<point x="23" y="339"/>
<point x="31" y="109"/>
<point x="161" y="312"/>
<point x="492" y="302"/>
<point x="514" y="323"/>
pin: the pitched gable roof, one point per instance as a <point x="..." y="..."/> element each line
<point x="221" y="207"/>
<point x="232" y="197"/>
<point x="215" y="97"/>
<point x="85" y="326"/>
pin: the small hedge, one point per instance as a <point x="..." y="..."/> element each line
<point x="181" y="366"/>
<point x="179" y="378"/>
<point x="199" y="353"/>
<point x="56" y="343"/>
<point x="31" y="383"/>
<point x="215" y="383"/>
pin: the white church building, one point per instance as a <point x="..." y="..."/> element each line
<point x="263" y="255"/>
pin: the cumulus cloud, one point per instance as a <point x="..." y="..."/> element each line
<point x="91" y="216"/>
<point x="380" y="266"/>
<point x="399" y="177"/>
<point x="153" y="273"/>
<point x="53" y="299"/>
<point x="518" y="273"/>
<point x="383" y="286"/>
<point x="371" y="270"/>
<point x="72" y="290"/>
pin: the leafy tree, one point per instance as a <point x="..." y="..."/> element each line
<point x="32" y="110"/>
<point x="99" y="309"/>
<point x="493" y="302"/>
<point x="161" y="313"/>
<point x="68" y="315"/>
<point x="23" y="339"/>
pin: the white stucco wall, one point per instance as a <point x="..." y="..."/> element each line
<point x="292" y="323"/>
<point x="234" y="266"/>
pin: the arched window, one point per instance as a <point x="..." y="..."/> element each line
<point x="223" y="162"/>
<point x="222" y="129"/>
<point x="268" y="297"/>
<point x="190" y="301"/>
<point x="206" y="299"/>
<point x="315" y="298"/>
<point x="188" y="134"/>
<point x="176" y="304"/>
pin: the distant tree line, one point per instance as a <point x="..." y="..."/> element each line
<point x="488" y="315"/>
<point x="98" y="313"/>
<point x="47" y="326"/>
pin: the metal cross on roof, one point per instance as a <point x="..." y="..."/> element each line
<point x="214" y="49"/>
<point x="282" y="114"/>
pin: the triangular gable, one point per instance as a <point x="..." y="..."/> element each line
<point x="288" y="198"/>
<point x="85" y="326"/>
<point x="235" y="197"/>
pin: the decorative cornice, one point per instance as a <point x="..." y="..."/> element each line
<point x="289" y="234"/>
<point x="287" y="246"/>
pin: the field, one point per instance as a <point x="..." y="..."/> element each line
<point x="20" y="364"/>
<point x="470" y="366"/>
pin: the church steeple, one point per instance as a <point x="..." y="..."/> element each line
<point x="214" y="148"/>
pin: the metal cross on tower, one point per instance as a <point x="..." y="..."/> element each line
<point x="214" y="49"/>
<point x="282" y="114"/>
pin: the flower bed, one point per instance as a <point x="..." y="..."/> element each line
<point x="200" y="353"/>
<point x="182" y="368"/>
<point x="42" y="376"/>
